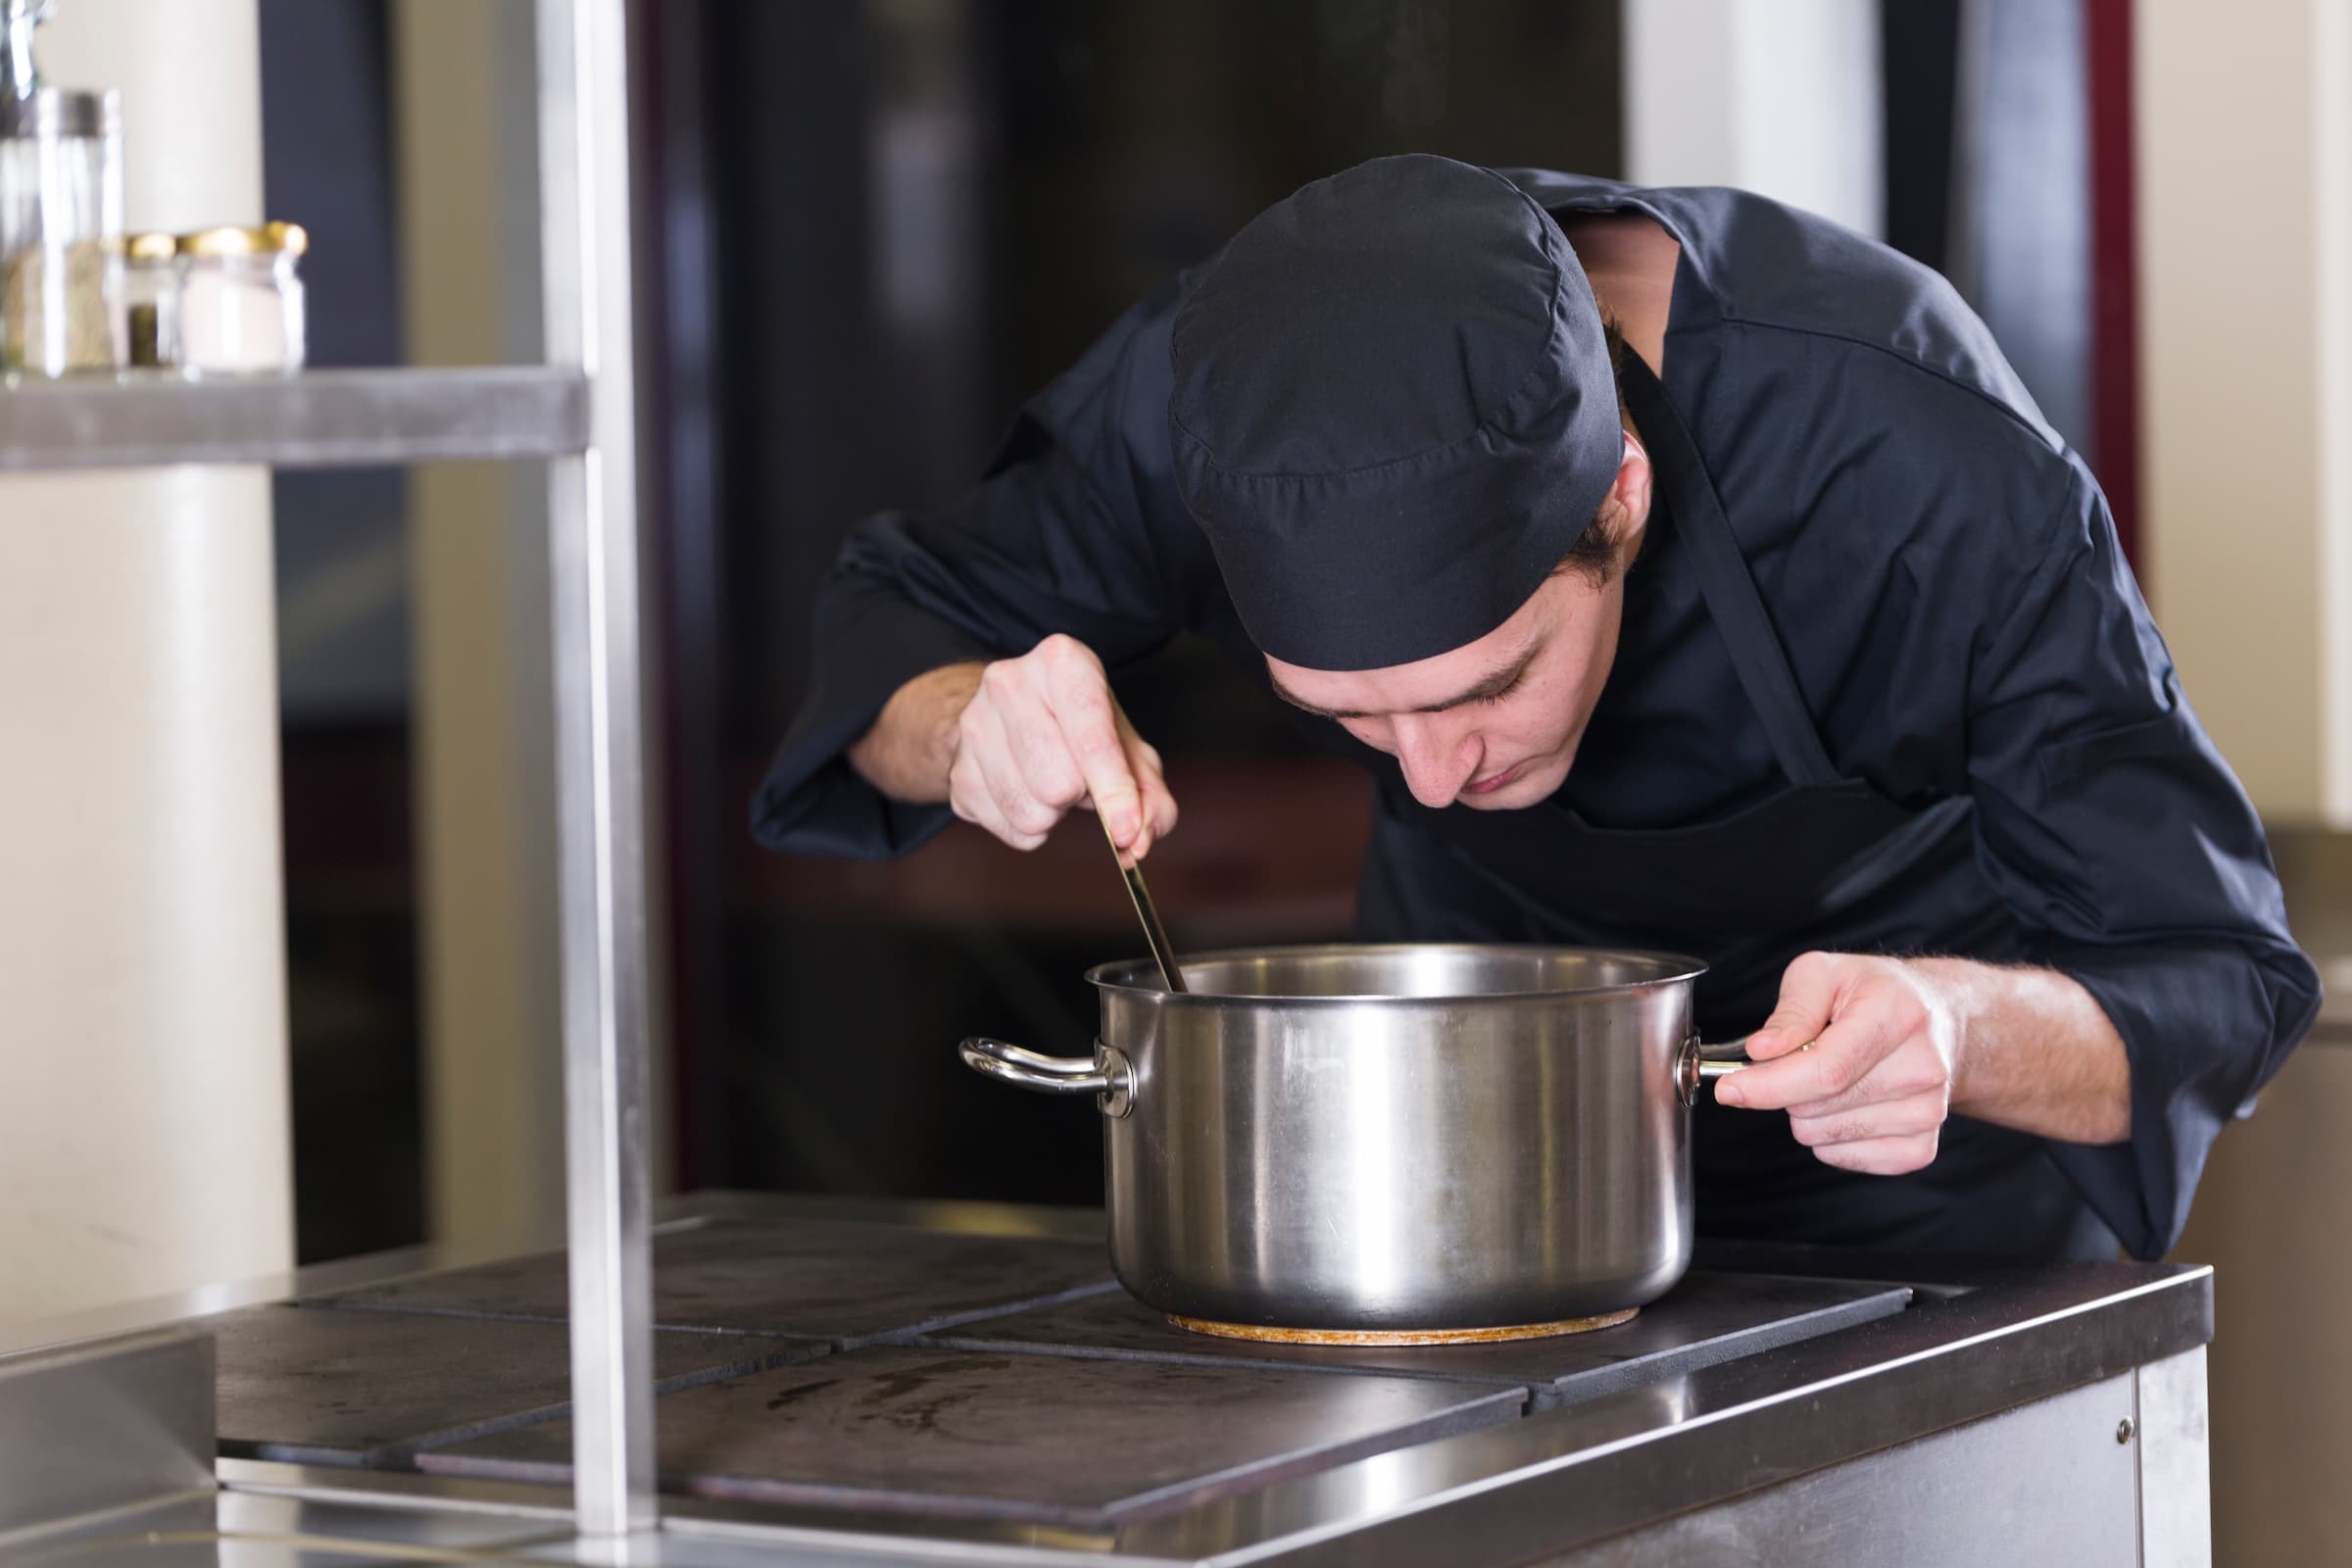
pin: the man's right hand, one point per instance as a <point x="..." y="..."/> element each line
<point x="1013" y="745"/>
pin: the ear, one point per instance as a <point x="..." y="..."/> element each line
<point x="1630" y="494"/>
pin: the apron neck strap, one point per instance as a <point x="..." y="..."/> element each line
<point x="1739" y="612"/>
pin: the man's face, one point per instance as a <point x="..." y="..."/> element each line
<point x="1494" y="725"/>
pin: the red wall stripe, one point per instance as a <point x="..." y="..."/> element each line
<point x="2114" y="246"/>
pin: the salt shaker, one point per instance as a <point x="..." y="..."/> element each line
<point x="240" y="299"/>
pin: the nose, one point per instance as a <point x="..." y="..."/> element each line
<point x="1437" y="761"/>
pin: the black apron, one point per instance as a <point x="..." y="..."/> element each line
<point x="1828" y="862"/>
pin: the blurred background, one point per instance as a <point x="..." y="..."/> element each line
<point x="869" y="230"/>
<point x="866" y="229"/>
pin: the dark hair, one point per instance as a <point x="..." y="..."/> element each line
<point x="1593" y="555"/>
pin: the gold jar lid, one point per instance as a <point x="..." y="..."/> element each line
<point x="153" y="247"/>
<point x="232" y="240"/>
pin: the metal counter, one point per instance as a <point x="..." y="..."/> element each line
<point x="2062" y="1404"/>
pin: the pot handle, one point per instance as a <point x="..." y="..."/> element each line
<point x="1107" y="1075"/>
<point x="1702" y="1063"/>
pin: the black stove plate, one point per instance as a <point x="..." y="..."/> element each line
<point x="1705" y="1319"/>
<point x="843" y="1282"/>
<point x="369" y="1387"/>
<point x="1044" y="1439"/>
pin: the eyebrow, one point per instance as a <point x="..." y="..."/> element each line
<point x="1494" y="685"/>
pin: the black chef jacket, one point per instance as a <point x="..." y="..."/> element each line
<point x="1964" y="633"/>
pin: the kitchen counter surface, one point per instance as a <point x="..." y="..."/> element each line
<point x="967" y="1379"/>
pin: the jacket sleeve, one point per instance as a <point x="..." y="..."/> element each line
<point x="2121" y="840"/>
<point x="1075" y="527"/>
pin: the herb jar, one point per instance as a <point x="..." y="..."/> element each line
<point x="150" y="297"/>
<point x="61" y="212"/>
<point x="240" y="299"/>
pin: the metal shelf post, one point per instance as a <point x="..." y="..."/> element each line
<point x="584" y="184"/>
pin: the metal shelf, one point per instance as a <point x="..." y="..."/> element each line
<point x="317" y="418"/>
<point x="580" y="415"/>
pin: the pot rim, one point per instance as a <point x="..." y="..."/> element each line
<point x="1111" y="975"/>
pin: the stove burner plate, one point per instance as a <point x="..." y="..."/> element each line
<point x="1354" y="1337"/>
<point x="307" y="1387"/>
<point x="845" y="1282"/>
<point x="1706" y="1319"/>
<point x="1044" y="1439"/>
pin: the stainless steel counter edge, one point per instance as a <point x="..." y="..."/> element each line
<point x="806" y="1535"/>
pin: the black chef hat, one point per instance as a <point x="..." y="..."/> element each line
<point x="1394" y="412"/>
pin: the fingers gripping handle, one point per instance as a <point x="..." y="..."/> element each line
<point x="1701" y="1063"/>
<point x="1107" y="1075"/>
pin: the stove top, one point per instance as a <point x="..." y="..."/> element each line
<point x="876" y="1367"/>
<point x="948" y="1382"/>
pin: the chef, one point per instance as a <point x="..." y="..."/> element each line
<point x="1691" y="574"/>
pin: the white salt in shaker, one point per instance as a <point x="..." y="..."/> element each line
<point x="240" y="303"/>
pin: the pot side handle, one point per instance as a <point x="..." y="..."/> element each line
<point x="1107" y="1075"/>
<point x="1702" y="1063"/>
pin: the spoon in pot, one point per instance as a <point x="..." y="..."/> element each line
<point x="1153" y="932"/>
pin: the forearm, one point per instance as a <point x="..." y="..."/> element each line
<point x="2036" y="1053"/>
<point x="912" y="743"/>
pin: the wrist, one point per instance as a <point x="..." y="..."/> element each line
<point x="911" y="745"/>
<point x="1954" y="990"/>
<point x="2030" y="1049"/>
<point x="949" y="692"/>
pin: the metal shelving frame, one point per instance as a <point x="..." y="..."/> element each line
<point x="578" y="412"/>
<point x="314" y="419"/>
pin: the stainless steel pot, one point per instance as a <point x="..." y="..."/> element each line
<point x="1393" y="1139"/>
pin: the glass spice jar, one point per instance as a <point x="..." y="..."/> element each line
<point x="61" y="212"/>
<point x="150" y="297"/>
<point x="239" y="305"/>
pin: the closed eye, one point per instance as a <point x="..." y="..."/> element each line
<point x="1491" y="698"/>
<point x="1494" y="689"/>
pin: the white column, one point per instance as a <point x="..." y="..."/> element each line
<point x="2245" y="169"/>
<point x="1776" y="96"/>
<point x="143" y="1122"/>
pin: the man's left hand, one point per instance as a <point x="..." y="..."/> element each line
<point x="1862" y="1053"/>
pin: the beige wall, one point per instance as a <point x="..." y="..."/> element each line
<point x="2244" y="150"/>
<point x="2245" y="211"/>
<point x="143" y="1117"/>
<point x="466" y="131"/>
<point x="2270" y="1220"/>
<point x="492" y="1084"/>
